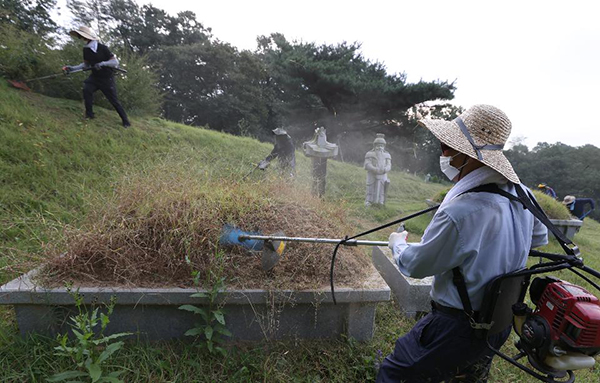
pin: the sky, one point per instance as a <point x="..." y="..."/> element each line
<point x="538" y="61"/>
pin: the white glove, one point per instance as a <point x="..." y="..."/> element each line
<point x="397" y="242"/>
<point x="262" y="165"/>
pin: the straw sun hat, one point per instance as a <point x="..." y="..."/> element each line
<point x="84" y="32"/>
<point x="480" y="133"/>
<point x="568" y="199"/>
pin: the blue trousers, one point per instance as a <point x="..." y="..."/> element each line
<point x="440" y="347"/>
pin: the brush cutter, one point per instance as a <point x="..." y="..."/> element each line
<point x="23" y="86"/>
<point x="272" y="246"/>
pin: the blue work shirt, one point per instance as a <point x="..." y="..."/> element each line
<point x="485" y="234"/>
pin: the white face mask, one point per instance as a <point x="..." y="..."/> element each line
<point x="450" y="171"/>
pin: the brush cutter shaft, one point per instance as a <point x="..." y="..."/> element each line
<point x="69" y="73"/>
<point x="352" y="242"/>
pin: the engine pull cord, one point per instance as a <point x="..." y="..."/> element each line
<point x="346" y="239"/>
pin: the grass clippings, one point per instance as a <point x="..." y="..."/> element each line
<point x="144" y="234"/>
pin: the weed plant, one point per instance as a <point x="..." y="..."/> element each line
<point x="210" y="331"/>
<point x="92" y="349"/>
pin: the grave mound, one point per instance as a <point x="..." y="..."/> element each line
<point x="155" y="233"/>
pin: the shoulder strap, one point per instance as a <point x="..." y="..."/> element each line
<point x="529" y="203"/>
<point x="459" y="281"/>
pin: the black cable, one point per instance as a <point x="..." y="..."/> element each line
<point x="332" y="265"/>
<point x="346" y="239"/>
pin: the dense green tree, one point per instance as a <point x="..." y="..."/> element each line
<point x="147" y="28"/>
<point x="213" y="84"/>
<point x="92" y="13"/>
<point x="29" y="15"/>
<point x="139" y="28"/>
<point x="335" y="86"/>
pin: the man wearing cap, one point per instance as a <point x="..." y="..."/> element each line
<point x="482" y="235"/>
<point x="100" y="60"/>
<point x="577" y="206"/>
<point x="284" y="150"/>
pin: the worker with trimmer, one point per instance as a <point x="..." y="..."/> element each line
<point x="284" y="150"/>
<point x="100" y="59"/>
<point x="473" y="237"/>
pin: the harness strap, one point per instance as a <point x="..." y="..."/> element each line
<point x="529" y="203"/>
<point x="459" y="281"/>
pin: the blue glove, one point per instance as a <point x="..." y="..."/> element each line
<point x="98" y="66"/>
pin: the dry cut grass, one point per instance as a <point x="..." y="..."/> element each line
<point x="158" y="218"/>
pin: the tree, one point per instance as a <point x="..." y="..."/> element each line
<point x="92" y="13"/>
<point x="211" y="83"/>
<point x="29" y="15"/>
<point x="336" y="87"/>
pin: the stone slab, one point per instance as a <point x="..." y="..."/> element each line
<point x="412" y="295"/>
<point x="569" y="227"/>
<point x="250" y="314"/>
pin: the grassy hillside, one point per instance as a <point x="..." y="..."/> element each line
<point x="56" y="169"/>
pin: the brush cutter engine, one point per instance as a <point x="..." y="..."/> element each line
<point x="563" y="332"/>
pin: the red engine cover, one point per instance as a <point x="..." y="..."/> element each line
<point x="573" y="315"/>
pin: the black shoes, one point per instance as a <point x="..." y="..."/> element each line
<point x="126" y="124"/>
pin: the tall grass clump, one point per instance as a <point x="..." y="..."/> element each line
<point x="158" y="217"/>
<point x="552" y="208"/>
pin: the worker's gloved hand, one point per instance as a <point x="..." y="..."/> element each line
<point x="67" y="69"/>
<point x="397" y="242"/>
<point x="98" y="66"/>
<point x="262" y="165"/>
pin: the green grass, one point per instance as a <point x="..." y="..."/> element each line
<point x="55" y="168"/>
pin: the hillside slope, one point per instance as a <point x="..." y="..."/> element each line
<point x="53" y="163"/>
<point x="56" y="169"/>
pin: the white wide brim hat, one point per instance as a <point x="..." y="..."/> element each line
<point x="84" y="32"/>
<point x="568" y="199"/>
<point x="279" y="132"/>
<point x="480" y="133"/>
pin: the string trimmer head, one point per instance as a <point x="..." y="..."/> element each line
<point x="271" y="250"/>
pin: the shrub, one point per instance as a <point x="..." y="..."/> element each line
<point x="138" y="88"/>
<point x="24" y="55"/>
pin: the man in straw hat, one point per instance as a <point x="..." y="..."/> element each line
<point x="577" y="206"/>
<point x="483" y="234"/>
<point x="100" y="59"/>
